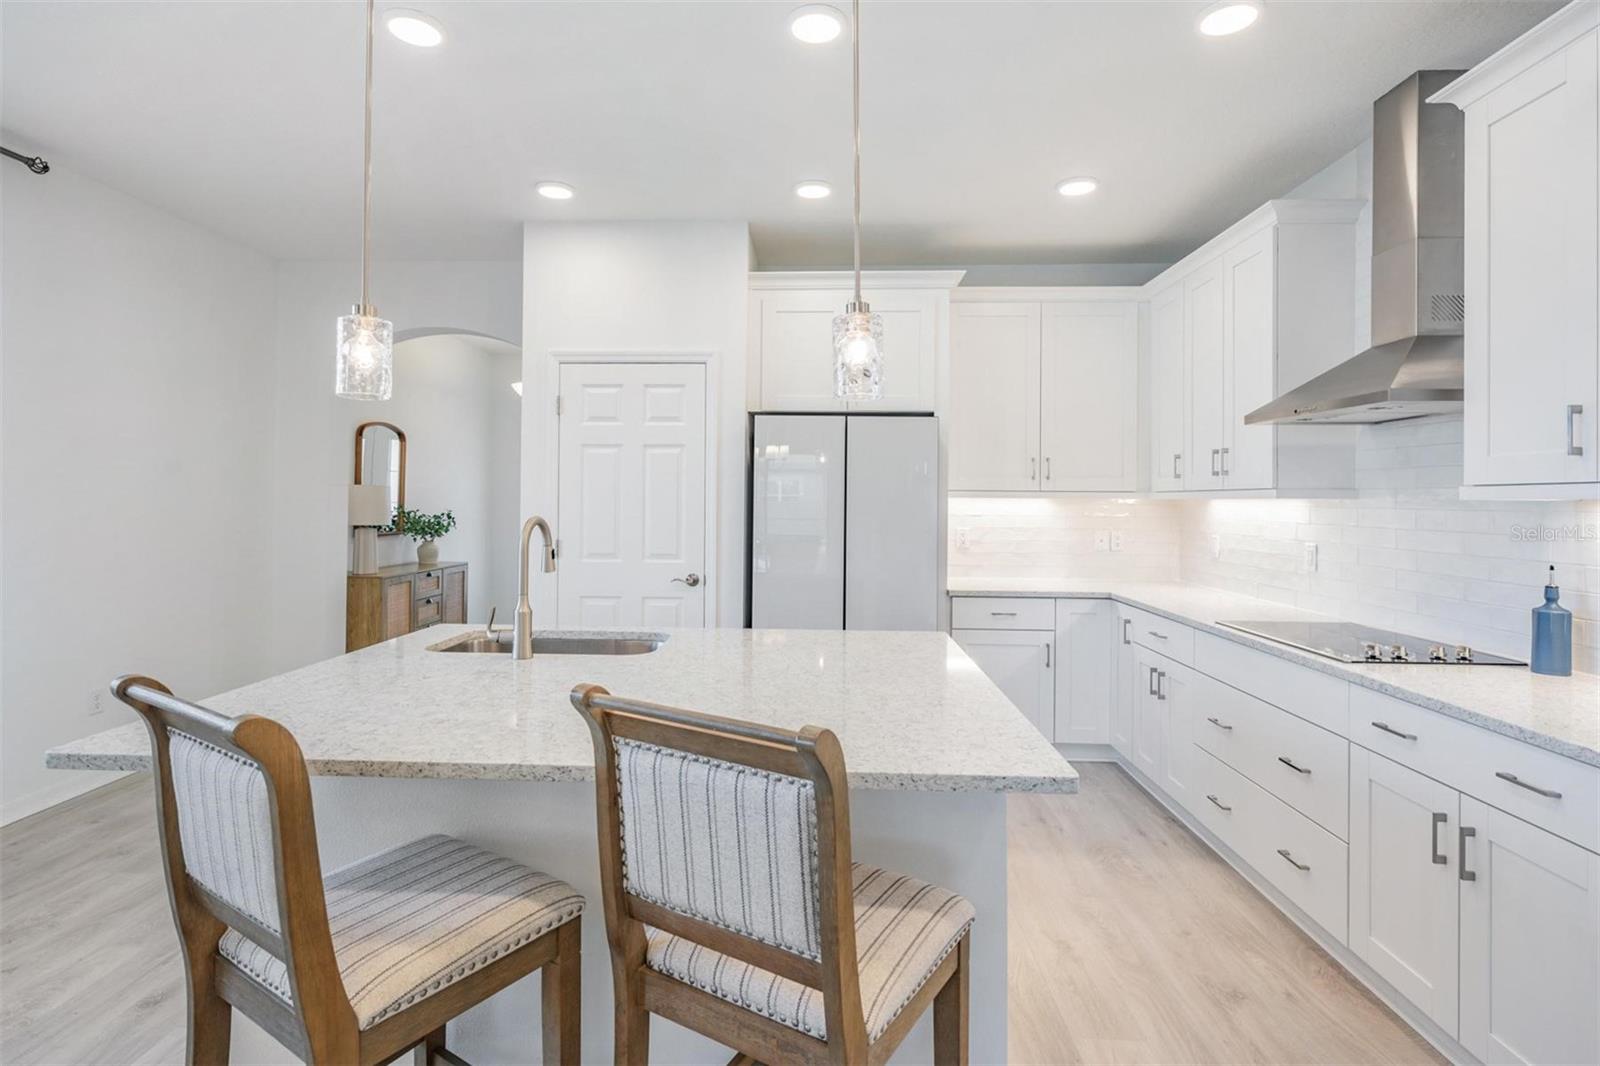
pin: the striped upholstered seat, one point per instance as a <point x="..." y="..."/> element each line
<point x="904" y="930"/>
<point x="408" y="922"/>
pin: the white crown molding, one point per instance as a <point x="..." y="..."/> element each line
<point x="1271" y="213"/>
<point x="1540" y="43"/>
<point x="844" y="279"/>
<point x="1044" y="293"/>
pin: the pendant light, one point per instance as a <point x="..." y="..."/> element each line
<point x="858" y="333"/>
<point x="364" y="368"/>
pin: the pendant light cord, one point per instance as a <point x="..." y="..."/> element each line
<point x="855" y="103"/>
<point x="366" y="181"/>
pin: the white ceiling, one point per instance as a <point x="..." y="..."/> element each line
<point x="246" y="117"/>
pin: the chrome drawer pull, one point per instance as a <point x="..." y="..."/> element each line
<point x="1002" y="614"/>
<point x="1150" y="690"/>
<point x="1221" y="725"/>
<point x="1161" y="689"/>
<point x="1574" y="410"/>
<point x="1219" y="804"/>
<point x="1439" y="858"/>
<point x="1466" y="874"/>
<point x="1548" y="793"/>
<point x="1126" y="622"/>
<point x="1392" y="731"/>
<point x="1290" y="764"/>
<point x="1290" y="860"/>
<point x="1158" y="636"/>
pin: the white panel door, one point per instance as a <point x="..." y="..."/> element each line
<point x="891" y="522"/>
<point x="1205" y="342"/>
<point x="1085" y="688"/>
<point x="797" y="511"/>
<point x="1249" y="275"/>
<point x="1019" y="662"/>
<point x="1403" y="900"/>
<point x="1089" y="396"/>
<point x="1530" y="942"/>
<point x="1533" y="275"/>
<point x="631" y="495"/>
<point x="1169" y="391"/>
<point x="994" y="396"/>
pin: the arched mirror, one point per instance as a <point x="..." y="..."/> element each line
<point x="381" y="460"/>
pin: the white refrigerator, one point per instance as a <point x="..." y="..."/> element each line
<point x="844" y="522"/>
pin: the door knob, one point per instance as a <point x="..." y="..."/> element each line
<point x="692" y="580"/>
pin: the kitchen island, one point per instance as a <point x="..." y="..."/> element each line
<point x="404" y="740"/>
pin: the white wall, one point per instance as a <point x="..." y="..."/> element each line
<point x="640" y="288"/>
<point x="137" y="429"/>
<point x="314" y="443"/>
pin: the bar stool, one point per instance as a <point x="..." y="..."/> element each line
<point x="732" y="906"/>
<point x="354" y="968"/>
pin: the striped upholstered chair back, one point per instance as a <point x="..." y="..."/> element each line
<point x="233" y="802"/>
<point x="731" y="836"/>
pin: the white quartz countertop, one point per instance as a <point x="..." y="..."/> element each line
<point x="911" y="710"/>
<point x="1559" y="714"/>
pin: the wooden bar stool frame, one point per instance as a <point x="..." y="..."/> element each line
<point x="321" y="1026"/>
<point x="813" y="755"/>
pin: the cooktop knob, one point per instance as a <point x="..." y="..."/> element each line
<point x="1398" y="653"/>
<point x="1369" y="649"/>
<point x="1463" y="653"/>
<point x="1436" y="653"/>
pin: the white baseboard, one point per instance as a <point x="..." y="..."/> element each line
<point x="71" y="785"/>
<point x="1425" y="1027"/>
<point x="1088" y="752"/>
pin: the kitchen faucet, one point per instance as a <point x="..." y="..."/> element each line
<point x="522" y="634"/>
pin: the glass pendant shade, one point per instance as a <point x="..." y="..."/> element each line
<point x="365" y="364"/>
<point x="858" y="354"/>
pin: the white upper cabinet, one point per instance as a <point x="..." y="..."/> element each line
<point x="791" y="338"/>
<point x="1208" y="424"/>
<point x="1044" y="391"/>
<point x="1249" y="336"/>
<point x="1532" y="230"/>
<point x="1169" y="390"/>
<point x="993" y="419"/>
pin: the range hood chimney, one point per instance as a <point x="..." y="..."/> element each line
<point x="1414" y="366"/>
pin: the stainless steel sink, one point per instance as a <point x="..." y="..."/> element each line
<point x="501" y="644"/>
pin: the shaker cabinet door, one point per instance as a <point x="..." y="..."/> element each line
<point x="1204" y="314"/>
<point x="1089" y="397"/>
<point x="1020" y="663"/>
<point x="1084" y="676"/>
<point x="994" y="397"/>
<point x="1169" y="391"/>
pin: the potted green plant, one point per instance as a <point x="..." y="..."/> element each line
<point x="424" y="529"/>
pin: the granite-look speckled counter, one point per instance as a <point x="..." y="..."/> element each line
<point x="1559" y="714"/>
<point x="911" y="710"/>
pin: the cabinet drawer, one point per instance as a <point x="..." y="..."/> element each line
<point x="430" y="610"/>
<point x="996" y="612"/>
<point x="430" y="583"/>
<point x="1482" y="764"/>
<point x="1299" y="690"/>
<point x="1298" y="857"/>
<point x="1305" y="766"/>
<point x="1158" y="633"/>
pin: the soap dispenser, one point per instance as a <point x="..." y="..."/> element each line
<point x="1552" y="634"/>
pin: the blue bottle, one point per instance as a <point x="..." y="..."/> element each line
<point x="1552" y="634"/>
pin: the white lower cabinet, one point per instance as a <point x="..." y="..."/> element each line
<point x="1149" y="724"/>
<point x="1127" y="684"/>
<point x="1530" y="942"/>
<point x="1174" y="689"/>
<point x="1019" y="662"/>
<point x="1083" y="673"/>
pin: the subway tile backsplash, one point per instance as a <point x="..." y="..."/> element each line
<point x="1405" y="553"/>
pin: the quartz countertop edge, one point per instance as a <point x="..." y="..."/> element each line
<point x="912" y="711"/>
<point x="1564" y="717"/>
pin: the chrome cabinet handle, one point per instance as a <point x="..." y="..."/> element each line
<point x="1466" y="875"/>
<point x="1033" y="469"/>
<point x="1439" y="858"/>
<point x="1392" y="731"/>
<point x="1047" y="655"/>
<point x="1215" y="453"/>
<point x="1161" y="688"/>
<point x="1291" y="860"/>
<point x="1548" y="793"/>
<point x="1177" y="465"/>
<point x="1047" y="468"/>
<point x="1574" y="412"/>
<point x="1225" y="462"/>
<point x="1126" y="622"/>
<point x="1002" y="614"/>
<point x="1291" y="765"/>
<point x="1219" y="804"/>
<point x="1158" y="636"/>
<point x="1150" y="689"/>
<point x="1224" y="726"/>
<point x="692" y="580"/>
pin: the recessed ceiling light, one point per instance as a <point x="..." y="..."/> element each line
<point x="813" y="190"/>
<point x="816" y="23"/>
<point x="1077" y="187"/>
<point x="1229" y="16"/>
<point x="413" y="27"/>
<point x="554" y="190"/>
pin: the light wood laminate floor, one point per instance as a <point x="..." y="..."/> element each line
<point x="1130" y="942"/>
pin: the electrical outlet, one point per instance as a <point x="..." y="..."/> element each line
<point x="963" y="538"/>
<point x="1311" y="557"/>
<point x="1102" y="540"/>
<point x="97" y="697"/>
<point x="1216" y="545"/>
<point x="1116" y="540"/>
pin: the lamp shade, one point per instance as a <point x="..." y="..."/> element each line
<point x="369" y="505"/>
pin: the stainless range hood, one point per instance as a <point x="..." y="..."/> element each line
<point x="1414" y="366"/>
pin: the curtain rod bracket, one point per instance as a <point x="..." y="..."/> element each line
<point x="32" y="162"/>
